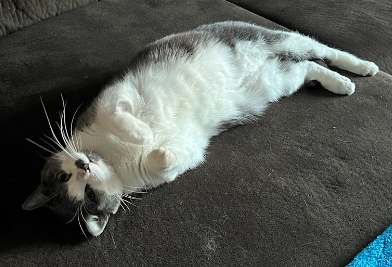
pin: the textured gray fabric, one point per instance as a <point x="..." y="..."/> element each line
<point x="308" y="184"/>
<point x="17" y="14"/>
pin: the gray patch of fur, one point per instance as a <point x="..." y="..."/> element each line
<point x="186" y="44"/>
<point x="64" y="206"/>
<point x="86" y="117"/>
<point x="296" y="57"/>
<point x="327" y="61"/>
<point x="102" y="203"/>
<point x="230" y="33"/>
<point x="182" y="45"/>
<point x="61" y="204"/>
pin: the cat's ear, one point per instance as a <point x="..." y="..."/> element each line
<point x="96" y="224"/>
<point x="131" y="130"/>
<point x="40" y="197"/>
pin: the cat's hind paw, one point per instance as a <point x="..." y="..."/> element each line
<point x="346" y="86"/>
<point x="339" y="84"/>
<point x="366" y="68"/>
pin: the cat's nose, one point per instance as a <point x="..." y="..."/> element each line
<point x="81" y="164"/>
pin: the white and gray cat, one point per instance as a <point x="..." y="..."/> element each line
<point x="155" y="122"/>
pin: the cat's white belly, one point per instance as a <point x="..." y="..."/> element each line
<point x="184" y="106"/>
<point x="184" y="103"/>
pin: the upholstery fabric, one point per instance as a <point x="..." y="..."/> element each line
<point x="308" y="184"/>
<point x="17" y="14"/>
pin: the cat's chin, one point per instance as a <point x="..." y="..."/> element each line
<point x="96" y="224"/>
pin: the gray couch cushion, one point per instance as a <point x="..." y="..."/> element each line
<point x="15" y="15"/>
<point x="308" y="184"/>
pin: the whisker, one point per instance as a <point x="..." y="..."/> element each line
<point x="135" y="187"/>
<point x="42" y="157"/>
<point x="131" y="197"/>
<point x="79" y="211"/>
<point x="75" y="141"/>
<point x="122" y="203"/>
<point x="128" y="191"/>
<point x="51" y="129"/>
<point x="54" y="141"/>
<point x="87" y="210"/>
<point x="127" y="195"/>
<point x="49" y="144"/>
<point x="129" y="202"/>
<point x="64" y="130"/>
<point x="76" y="213"/>
<point x="58" y="157"/>
<point x="40" y="146"/>
<point x="59" y="145"/>
<point x="131" y="193"/>
<point x="122" y="206"/>
<point x="63" y="136"/>
<point x="100" y="176"/>
<point x="114" y="243"/>
<point x="72" y="123"/>
<point x="79" y="141"/>
<point x="125" y="204"/>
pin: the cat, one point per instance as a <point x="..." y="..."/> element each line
<point x="155" y="121"/>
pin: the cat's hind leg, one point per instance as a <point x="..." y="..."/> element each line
<point x="300" y="47"/>
<point x="330" y="80"/>
<point x="349" y="62"/>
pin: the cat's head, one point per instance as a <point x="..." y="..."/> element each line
<point x="78" y="185"/>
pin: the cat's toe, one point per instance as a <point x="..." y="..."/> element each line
<point x="373" y="69"/>
<point x="367" y="68"/>
<point x="340" y="85"/>
<point x="348" y="87"/>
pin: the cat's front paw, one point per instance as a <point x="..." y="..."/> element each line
<point x="131" y="130"/>
<point x="161" y="159"/>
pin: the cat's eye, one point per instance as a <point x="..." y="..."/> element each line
<point x="89" y="193"/>
<point x="63" y="177"/>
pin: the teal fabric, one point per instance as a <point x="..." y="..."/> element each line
<point x="377" y="254"/>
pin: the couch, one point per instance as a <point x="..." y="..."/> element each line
<point x="308" y="184"/>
